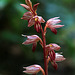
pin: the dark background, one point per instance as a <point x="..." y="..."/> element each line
<point x="14" y="55"/>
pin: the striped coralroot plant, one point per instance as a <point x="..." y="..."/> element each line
<point x="48" y="50"/>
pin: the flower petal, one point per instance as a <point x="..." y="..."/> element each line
<point x="31" y="22"/>
<point x="35" y="6"/>
<point x="59" y="57"/>
<point x="57" y="26"/>
<point x="34" y="46"/>
<point x="37" y="27"/>
<point x="52" y="55"/>
<point x="54" y="30"/>
<point x="41" y="20"/>
<point x="28" y="2"/>
<point x="31" y="39"/>
<point x="53" y="21"/>
<point x="54" y="46"/>
<point x="25" y="6"/>
<point x="54" y="64"/>
<point x="28" y="42"/>
<point x="27" y="16"/>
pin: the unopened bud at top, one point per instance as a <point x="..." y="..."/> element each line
<point x="28" y="2"/>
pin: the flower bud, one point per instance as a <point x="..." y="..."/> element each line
<point x="28" y="2"/>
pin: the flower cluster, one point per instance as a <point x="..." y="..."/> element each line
<point x="31" y="15"/>
<point x="49" y="50"/>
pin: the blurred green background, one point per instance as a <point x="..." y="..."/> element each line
<point x="14" y="55"/>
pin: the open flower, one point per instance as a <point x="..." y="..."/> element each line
<point x="52" y="56"/>
<point x="36" y="21"/>
<point x="51" y="23"/>
<point x="58" y="58"/>
<point x="33" y="69"/>
<point x="31" y="15"/>
<point x="33" y="39"/>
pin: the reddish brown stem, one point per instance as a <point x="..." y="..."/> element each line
<point x="44" y="50"/>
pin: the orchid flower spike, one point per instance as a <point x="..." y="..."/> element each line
<point x="51" y="23"/>
<point x="33" y="69"/>
<point x="33" y="39"/>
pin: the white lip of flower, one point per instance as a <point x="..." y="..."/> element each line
<point x="58" y="55"/>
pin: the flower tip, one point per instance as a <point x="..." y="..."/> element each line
<point x="20" y="4"/>
<point x="62" y="25"/>
<point x="55" y="33"/>
<point x="37" y="4"/>
<point x="23" y="43"/>
<point x="24" y="67"/>
<point x="55" y="66"/>
<point x="54" y="30"/>
<point x="24" y="71"/>
<point x="58" y="48"/>
<point x="24" y="35"/>
<point x="21" y="18"/>
<point x="64" y="58"/>
<point x="29" y="25"/>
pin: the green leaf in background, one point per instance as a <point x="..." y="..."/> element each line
<point x="3" y="3"/>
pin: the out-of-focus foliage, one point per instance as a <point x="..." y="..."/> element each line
<point x="14" y="55"/>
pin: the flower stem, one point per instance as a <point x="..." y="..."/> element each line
<point x="44" y="50"/>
